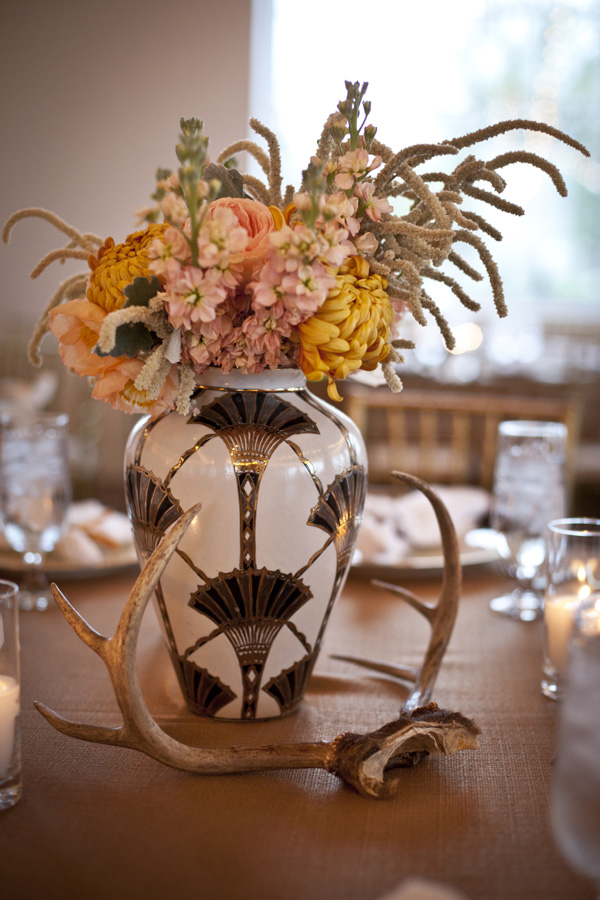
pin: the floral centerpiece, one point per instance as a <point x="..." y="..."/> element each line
<point x="233" y="291"/>
<point x="235" y="273"/>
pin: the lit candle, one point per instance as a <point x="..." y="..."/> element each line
<point x="9" y="710"/>
<point x="559" y="616"/>
<point x="589" y="617"/>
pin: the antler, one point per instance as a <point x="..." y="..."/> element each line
<point x="440" y="615"/>
<point x="368" y="762"/>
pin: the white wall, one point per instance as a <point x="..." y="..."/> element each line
<point x="92" y="94"/>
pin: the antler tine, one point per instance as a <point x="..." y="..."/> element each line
<point x="426" y="609"/>
<point x="440" y="615"/>
<point x="404" y="673"/>
<point x="88" y="635"/>
<point x="444" y="612"/>
<point x="97" y="734"/>
<point x="111" y="649"/>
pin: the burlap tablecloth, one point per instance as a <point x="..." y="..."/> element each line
<point x="100" y="822"/>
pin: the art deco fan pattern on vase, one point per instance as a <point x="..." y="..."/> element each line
<point x="281" y="476"/>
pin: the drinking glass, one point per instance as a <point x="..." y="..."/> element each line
<point x="575" y="792"/>
<point x="529" y="490"/>
<point x="35" y="492"/>
<point x="10" y="745"/>
<point x="573" y="574"/>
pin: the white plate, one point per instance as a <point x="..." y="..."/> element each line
<point x="477" y="549"/>
<point x="113" y="562"/>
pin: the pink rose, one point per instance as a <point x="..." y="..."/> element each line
<point x="258" y="222"/>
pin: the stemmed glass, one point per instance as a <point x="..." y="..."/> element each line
<point x="529" y="491"/>
<point x="35" y="492"/>
<point x="575" y="794"/>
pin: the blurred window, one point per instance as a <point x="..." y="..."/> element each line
<point x="437" y="70"/>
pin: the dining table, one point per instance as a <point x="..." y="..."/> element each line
<point x="98" y="821"/>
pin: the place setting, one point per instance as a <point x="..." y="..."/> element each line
<point x="45" y="533"/>
<point x="399" y="535"/>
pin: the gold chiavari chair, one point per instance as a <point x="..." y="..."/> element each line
<point x="445" y="436"/>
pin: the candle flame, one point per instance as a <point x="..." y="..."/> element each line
<point x="584" y="592"/>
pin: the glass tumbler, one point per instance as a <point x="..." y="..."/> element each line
<point x="529" y="490"/>
<point x="575" y="793"/>
<point x="35" y="493"/>
<point x="10" y="745"/>
<point x="573" y="574"/>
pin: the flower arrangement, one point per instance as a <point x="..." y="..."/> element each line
<point x="232" y="272"/>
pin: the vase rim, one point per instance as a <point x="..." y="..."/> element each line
<point x="291" y="379"/>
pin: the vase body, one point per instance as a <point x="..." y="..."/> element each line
<point x="245" y="599"/>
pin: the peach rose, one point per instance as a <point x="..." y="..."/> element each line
<point x="258" y="222"/>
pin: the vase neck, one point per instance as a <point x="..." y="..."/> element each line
<point x="269" y="380"/>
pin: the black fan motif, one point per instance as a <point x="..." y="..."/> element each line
<point x="339" y="510"/>
<point x="288" y="687"/>
<point x="338" y="513"/>
<point x="205" y="694"/>
<point x="253" y="424"/>
<point x="250" y="607"/>
<point x="152" y="508"/>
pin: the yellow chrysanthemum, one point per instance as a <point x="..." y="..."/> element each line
<point x="116" y="265"/>
<point x="351" y="330"/>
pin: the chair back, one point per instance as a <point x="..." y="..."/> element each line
<point x="446" y="437"/>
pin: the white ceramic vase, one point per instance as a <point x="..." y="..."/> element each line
<point x="281" y="476"/>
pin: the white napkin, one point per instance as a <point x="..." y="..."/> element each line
<point x="393" y="526"/>
<point x="416" y="519"/>
<point x="379" y="540"/>
<point x="92" y="530"/>
<point x="418" y="889"/>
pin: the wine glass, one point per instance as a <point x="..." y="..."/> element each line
<point x="529" y="490"/>
<point x="35" y="492"/>
<point x="575" y="792"/>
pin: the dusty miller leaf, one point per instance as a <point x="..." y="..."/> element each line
<point x="133" y="338"/>
<point x="141" y="291"/>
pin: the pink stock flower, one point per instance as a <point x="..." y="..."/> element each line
<point x="336" y="248"/>
<point x="374" y="207"/>
<point x="193" y="297"/>
<point x="353" y="166"/>
<point x="338" y="205"/>
<point x="295" y="243"/>
<point x="305" y="290"/>
<point x="366" y="243"/>
<point x="174" y="208"/>
<point x="328" y="167"/>
<point x="221" y="238"/>
<point x="204" y="348"/>
<point x="265" y="332"/>
<point x="268" y="291"/>
<point x="166" y="253"/>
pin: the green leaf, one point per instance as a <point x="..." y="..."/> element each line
<point x="232" y="184"/>
<point x="141" y="291"/>
<point x="131" y="339"/>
